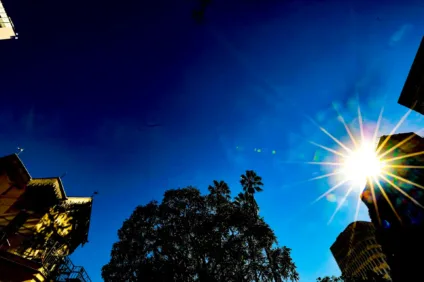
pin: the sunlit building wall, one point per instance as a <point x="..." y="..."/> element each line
<point x="357" y="252"/>
<point x="394" y="209"/>
<point x="40" y="226"/>
<point x="7" y="30"/>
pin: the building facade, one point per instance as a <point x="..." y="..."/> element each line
<point x="40" y="226"/>
<point x="7" y="30"/>
<point x="357" y="252"/>
<point x="395" y="209"/>
<point x="412" y="95"/>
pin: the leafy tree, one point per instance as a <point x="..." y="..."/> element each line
<point x="371" y="277"/>
<point x="195" y="237"/>
<point x="330" y="279"/>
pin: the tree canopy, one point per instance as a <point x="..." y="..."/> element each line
<point x="371" y="277"/>
<point x="195" y="237"/>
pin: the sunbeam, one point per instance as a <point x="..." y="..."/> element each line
<point x="329" y="191"/>
<point x="406" y="166"/>
<point x="394" y="130"/>
<point x="405" y="180"/>
<point x="361" y="128"/>
<point x="349" y="132"/>
<point x="388" y="201"/>
<point x="358" y="202"/>
<point x="377" y="126"/>
<point x="374" y="199"/>
<point x="343" y="200"/>
<point x="398" y="144"/>
<point x="328" y="149"/>
<point x="325" y="163"/>
<point x="404" y="156"/>
<point x="401" y="191"/>
<point x="331" y="136"/>
<point x="323" y="176"/>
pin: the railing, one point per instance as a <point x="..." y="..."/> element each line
<point x="44" y="257"/>
<point x="69" y="272"/>
<point x="18" y="243"/>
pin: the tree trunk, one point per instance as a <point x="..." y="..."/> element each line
<point x="277" y="278"/>
<point x="253" y="258"/>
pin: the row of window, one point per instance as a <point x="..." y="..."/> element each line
<point x="376" y="263"/>
<point x="366" y="256"/>
<point x="359" y="248"/>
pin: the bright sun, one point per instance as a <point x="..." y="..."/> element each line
<point x="364" y="163"/>
<point x="361" y="164"/>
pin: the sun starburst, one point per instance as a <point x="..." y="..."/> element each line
<point x="361" y="164"/>
<point x="364" y="164"/>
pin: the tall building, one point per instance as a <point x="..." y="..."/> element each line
<point x="7" y="30"/>
<point x="40" y="226"/>
<point x="357" y="252"/>
<point x="412" y="95"/>
<point x="399" y="221"/>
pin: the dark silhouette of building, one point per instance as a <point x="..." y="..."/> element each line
<point x="40" y="226"/>
<point x="394" y="209"/>
<point x="412" y="95"/>
<point x="357" y="252"/>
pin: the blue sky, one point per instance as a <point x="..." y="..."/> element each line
<point x="82" y="80"/>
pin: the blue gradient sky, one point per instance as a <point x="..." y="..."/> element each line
<point x="83" y="79"/>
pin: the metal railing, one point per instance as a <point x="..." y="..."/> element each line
<point x="44" y="257"/>
<point x="34" y="252"/>
<point x="69" y="272"/>
<point x="49" y="259"/>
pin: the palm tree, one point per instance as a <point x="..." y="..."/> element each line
<point x="251" y="183"/>
<point x="220" y="191"/>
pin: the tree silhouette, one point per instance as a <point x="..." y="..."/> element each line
<point x="198" y="14"/>
<point x="370" y="277"/>
<point x="195" y="237"/>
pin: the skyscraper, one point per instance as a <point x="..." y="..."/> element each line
<point x="395" y="209"/>
<point x="7" y="30"/>
<point x="357" y="252"/>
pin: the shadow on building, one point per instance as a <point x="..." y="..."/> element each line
<point x="40" y="226"/>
